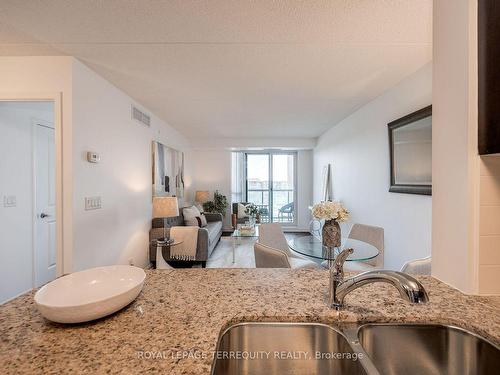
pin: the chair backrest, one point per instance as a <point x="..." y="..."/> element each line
<point x="272" y="235"/>
<point x="420" y="266"/>
<point x="372" y="235"/>
<point x="287" y="208"/>
<point x="268" y="257"/>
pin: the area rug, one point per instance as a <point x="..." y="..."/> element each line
<point x="222" y="256"/>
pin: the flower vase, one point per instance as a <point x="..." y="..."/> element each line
<point x="331" y="234"/>
<point x="252" y="221"/>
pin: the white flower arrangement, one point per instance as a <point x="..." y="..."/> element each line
<point x="330" y="211"/>
<point x="252" y="210"/>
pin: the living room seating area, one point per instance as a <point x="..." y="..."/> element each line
<point x="208" y="235"/>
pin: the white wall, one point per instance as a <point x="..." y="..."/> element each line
<point x="102" y="123"/>
<point x="466" y="203"/>
<point x="358" y="150"/>
<point x="16" y="179"/>
<point x="41" y="75"/>
<point x="253" y="143"/>
<point x="212" y="171"/>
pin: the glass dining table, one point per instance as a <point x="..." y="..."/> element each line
<point x="312" y="247"/>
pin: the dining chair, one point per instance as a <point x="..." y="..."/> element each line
<point x="421" y="266"/>
<point x="372" y="235"/>
<point x="286" y="210"/>
<point x="272" y="251"/>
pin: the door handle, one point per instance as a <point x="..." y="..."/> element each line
<point x="43" y="215"/>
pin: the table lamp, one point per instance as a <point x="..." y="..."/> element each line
<point x="164" y="207"/>
<point x="201" y="197"/>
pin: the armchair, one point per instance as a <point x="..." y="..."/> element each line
<point x="235" y="220"/>
<point x="234" y="215"/>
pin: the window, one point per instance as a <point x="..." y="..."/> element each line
<point x="270" y="184"/>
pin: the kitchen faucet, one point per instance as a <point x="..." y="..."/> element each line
<point x="409" y="288"/>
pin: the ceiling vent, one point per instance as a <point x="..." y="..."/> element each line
<point x="140" y="116"/>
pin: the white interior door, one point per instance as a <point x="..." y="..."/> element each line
<point x="45" y="203"/>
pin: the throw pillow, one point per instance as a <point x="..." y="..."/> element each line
<point x="203" y="220"/>
<point x="242" y="211"/>
<point x="190" y="214"/>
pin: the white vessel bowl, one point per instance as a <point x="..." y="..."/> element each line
<point x="90" y="294"/>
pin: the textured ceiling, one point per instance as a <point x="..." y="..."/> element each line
<point x="233" y="68"/>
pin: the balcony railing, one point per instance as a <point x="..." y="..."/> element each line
<point x="283" y="210"/>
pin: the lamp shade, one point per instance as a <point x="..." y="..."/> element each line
<point x="165" y="207"/>
<point x="202" y="196"/>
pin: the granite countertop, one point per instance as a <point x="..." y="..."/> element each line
<point x="180" y="313"/>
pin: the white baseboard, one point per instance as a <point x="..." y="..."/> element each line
<point x="18" y="295"/>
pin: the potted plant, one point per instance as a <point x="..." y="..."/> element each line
<point x="333" y="213"/>
<point x="217" y="205"/>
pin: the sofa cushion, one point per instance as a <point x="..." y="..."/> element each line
<point x="214" y="228"/>
<point x="203" y="220"/>
<point x="190" y="214"/>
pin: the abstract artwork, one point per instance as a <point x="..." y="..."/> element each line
<point x="168" y="171"/>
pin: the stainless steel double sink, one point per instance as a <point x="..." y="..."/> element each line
<point x="369" y="349"/>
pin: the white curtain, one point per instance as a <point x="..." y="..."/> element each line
<point x="238" y="177"/>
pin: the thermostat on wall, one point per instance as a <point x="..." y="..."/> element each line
<point x="93" y="157"/>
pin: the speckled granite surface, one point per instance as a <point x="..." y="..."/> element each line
<point x="181" y="313"/>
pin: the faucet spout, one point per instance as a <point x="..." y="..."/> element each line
<point x="409" y="288"/>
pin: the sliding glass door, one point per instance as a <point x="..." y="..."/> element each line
<point x="283" y="188"/>
<point x="258" y="188"/>
<point x="270" y="184"/>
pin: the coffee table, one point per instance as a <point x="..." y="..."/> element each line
<point x="238" y="234"/>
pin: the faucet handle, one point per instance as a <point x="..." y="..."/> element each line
<point x="338" y="265"/>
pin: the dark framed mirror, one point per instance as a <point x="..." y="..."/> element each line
<point x="410" y="146"/>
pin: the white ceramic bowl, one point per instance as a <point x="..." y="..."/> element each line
<point x="90" y="294"/>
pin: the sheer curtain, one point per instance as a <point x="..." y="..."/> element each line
<point x="237" y="177"/>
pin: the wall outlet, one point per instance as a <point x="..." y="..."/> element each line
<point x="9" y="201"/>
<point x="92" y="203"/>
<point x="131" y="261"/>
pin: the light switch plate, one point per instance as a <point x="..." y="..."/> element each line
<point x="93" y="157"/>
<point x="92" y="203"/>
<point x="9" y="201"/>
